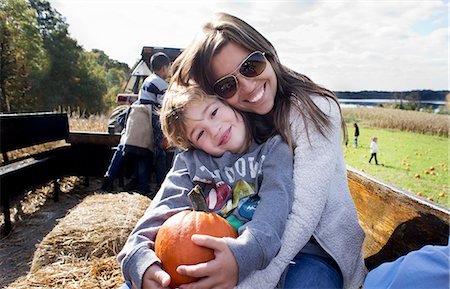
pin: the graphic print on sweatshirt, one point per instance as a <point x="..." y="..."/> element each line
<point x="236" y="205"/>
<point x="231" y="190"/>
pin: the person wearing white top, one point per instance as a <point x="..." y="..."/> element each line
<point x="374" y="150"/>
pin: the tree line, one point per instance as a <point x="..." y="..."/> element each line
<point x="44" y="69"/>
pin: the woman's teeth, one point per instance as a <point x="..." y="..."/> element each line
<point x="257" y="97"/>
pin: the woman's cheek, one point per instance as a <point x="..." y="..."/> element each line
<point x="234" y="101"/>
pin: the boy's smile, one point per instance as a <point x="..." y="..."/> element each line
<point x="225" y="137"/>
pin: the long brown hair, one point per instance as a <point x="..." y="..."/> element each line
<point x="293" y="88"/>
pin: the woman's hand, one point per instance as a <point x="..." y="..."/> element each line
<point x="220" y="273"/>
<point x="155" y="278"/>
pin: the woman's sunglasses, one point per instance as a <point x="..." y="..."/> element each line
<point x="252" y="66"/>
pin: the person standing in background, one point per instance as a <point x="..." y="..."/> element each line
<point x="142" y="139"/>
<point x="152" y="93"/>
<point x="374" y="149"/>
<point x="355" y="140"/>
<point x="155" y="85"/>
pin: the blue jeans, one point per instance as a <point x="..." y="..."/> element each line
<point x="310" y="271"/>
<point x="160" y="166"/>
<point x="116" y="162"/>
<point x="142" y="160"/>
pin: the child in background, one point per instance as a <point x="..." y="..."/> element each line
<point x="247" y="183"/>
<point x="355" y="139"/>
<point x="374" y="149"/>
<point x="141" y="140"/>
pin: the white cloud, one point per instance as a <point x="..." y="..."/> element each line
<point x="370" y="45"/>
<point x="343" y="45"/>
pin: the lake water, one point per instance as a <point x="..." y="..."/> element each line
<point x="345" y="102"/>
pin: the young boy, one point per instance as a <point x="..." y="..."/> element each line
<point x="247" y="183"/>
<point x="142" y="137"/>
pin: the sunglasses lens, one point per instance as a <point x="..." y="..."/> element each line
<point x="254" y="65"/>
<point x="226" y="87"/>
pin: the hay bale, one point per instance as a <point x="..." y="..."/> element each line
<point x="80" y="252"/>
<point x="97" y="227"/>
<point x="74" y="273"/>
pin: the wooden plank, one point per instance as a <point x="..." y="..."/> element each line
<point x="37" y="169"/>
<point x="20" y="165"/>
<point x="27" y="129"/>
<point x="92" y="151"/>
<point x="395" y="221"/>
<point x="93" y="138"/>
<point x="21" y="130"/>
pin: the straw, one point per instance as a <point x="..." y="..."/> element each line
<point x="80" y="250"/>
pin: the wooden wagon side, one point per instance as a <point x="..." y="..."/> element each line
<point x="395" y="221"/>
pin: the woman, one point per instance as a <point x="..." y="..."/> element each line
<point x="322" y="243"/>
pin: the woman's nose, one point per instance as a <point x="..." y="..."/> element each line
<point x="246" y="85"/>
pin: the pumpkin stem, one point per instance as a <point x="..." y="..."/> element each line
<point x="197" y="199"/>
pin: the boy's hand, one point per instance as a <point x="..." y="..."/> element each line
<point x="155" y="278"/>
<point x="220" y="273"/>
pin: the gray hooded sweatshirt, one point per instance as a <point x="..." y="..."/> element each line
<point x="262" y="178"/>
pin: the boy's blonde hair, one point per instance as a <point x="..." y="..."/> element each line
<point x="176" y="99"/>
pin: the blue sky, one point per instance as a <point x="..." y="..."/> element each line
<point x="345" y="45"/>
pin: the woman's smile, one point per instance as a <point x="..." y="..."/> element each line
<point x="258" y="96"/>
<point x="253" y="94"/>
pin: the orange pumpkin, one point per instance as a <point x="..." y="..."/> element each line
<point x="173" y="244"/>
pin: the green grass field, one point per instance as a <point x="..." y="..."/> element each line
<point x="403" y="156"/>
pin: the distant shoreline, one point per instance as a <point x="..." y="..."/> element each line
<point x="376" y="102"/>
<point x="419" y="96"/>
